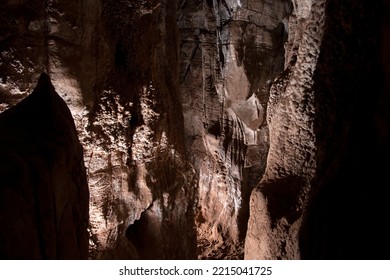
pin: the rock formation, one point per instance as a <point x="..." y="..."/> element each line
<point x="278" y="203"/>
<point x="216" y="129"/>
<point x="43" y="189"/>
<point x="230" y="53"/>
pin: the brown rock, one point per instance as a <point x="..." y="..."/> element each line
<point x="321" y="194"/>
<point x="230" y="53"/>
<point x="214" y="129"/>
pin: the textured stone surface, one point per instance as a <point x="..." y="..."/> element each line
<point x="278" y="202"/>
<point x="230" y="53"/>
<point x="322" y="192"/>
<point x="126" y="105"/>
<point x="209" y="127"/>
<point x="139" y="176"/>
<point x="43" y="189"/>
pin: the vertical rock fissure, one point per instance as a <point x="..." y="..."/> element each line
<point x="279" y="201"/>
<point x="349" y="196"/>
<point x="226" y="87"/>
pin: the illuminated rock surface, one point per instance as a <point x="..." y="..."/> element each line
<point x="217" y="129"/>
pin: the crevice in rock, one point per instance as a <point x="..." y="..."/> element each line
<point x="347" y="200"/>
<point x="146" y="236"/>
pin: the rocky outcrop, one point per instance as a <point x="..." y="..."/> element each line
<point x="43" y="189"/>
<point x="213" y="129"/>
<point x="278" y="202"/>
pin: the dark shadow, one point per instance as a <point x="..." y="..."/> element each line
<point x="283" y="198"/>
<point x="349" y="209"/>
<point x="145" y="235"/>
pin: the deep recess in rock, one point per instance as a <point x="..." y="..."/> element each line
<point x="216" y="129"/>
<point x="350" y="191"/>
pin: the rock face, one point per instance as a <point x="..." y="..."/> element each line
<point x="230" y="53"/>
<point x="43" y="190"/>
<point x="214" y="129"/>
<point x="278" y="203"/>
<point x="321" y="168"/>
<point x="143" y="187"/>
<point x="126" y="104"/>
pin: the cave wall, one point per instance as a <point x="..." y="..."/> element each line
<point x="278" y="202"/>
<point x="138" y="164"/>
<point x="230" y="53"/>
<point x="125" y="102"/>
<point x="323" y="194"/>
<point x="209" y="127"/>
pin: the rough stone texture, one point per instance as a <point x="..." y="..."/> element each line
<point x="279" y="200"/>
<point x="43" y="190"/>
<point x="125" y="102"/>
<point x="322" y="195"/>
<point x="230" y="53"/>
<point x="214" y="129"/>
<point x="142" y="184"/>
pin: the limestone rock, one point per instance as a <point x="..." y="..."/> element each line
<point x="212" y="129"/>
<point x="230" y="53"/>
<point x="280" y="199"/>
<point x="322" y="192"/>
<point x="125" y="101"/>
